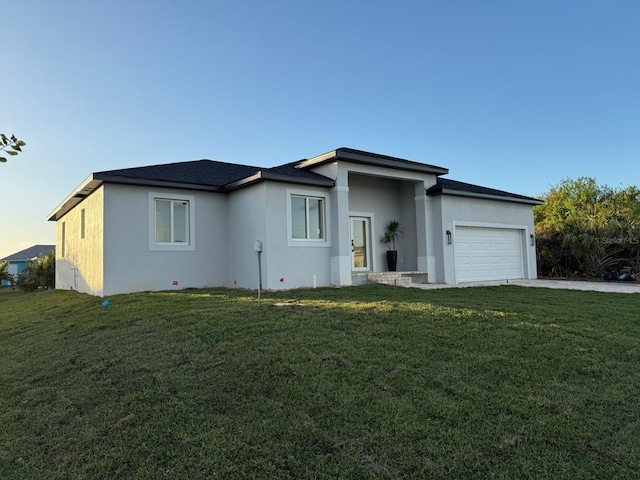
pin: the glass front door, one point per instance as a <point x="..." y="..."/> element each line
<point x="360" y="250"/>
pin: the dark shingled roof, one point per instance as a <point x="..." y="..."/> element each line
<point x="214" y="175"/>
<point x="446" y="185"/>
<point x="290" y="169"/>
<point x="196" y="172"/>
<point x="353" y="151"/>
<point x="208" y="173"/>
<point x="29" y="253"/>
<point x="369" y="158"/>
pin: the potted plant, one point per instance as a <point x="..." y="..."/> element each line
<point x="391" y="232"/>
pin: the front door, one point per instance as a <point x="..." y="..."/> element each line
<point x="360" y="248"/>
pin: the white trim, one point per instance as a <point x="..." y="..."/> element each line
<point x="373" y="241"/>
<point x="309" y="242"/>
<point x="89" y="184"/>
<point x="488" y="196"/>
<point x="164" y="247"/>
<point x="339" y="188"/>
<point x="368" y="243"/>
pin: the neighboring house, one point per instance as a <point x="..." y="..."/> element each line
<point x="197" y="224"/>
<point x="18" y="261"/>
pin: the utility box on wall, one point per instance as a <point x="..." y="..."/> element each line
<point x="257" y="246"/>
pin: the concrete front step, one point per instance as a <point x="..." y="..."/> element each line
<point x="401" y="282"/>
<point x="389" y="278"/>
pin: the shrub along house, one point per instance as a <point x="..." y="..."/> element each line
<point x="317" y="221"/>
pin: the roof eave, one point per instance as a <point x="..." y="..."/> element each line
<point x="94" y="181"/>
<point x="277" y="177"/>
<point x="155" y="183"/>
<point x="319" y="160"/>
<point x="362" y="158"/>
<point x="447" y="191"/>
<point x="86" y="188"/>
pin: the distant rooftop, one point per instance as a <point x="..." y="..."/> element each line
<point x="30" y="253"/>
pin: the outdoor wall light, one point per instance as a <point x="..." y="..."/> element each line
<point x="449" y="237"/>
<point x="532" y="240"/>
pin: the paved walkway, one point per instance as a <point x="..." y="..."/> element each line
<point x="619" y="287"/>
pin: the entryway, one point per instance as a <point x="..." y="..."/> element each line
<point x="360" y="244"/>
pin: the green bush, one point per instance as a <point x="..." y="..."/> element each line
<point x="39" y="273"/>
<point x="5" y="275"/>
<point x="585" y="230"/>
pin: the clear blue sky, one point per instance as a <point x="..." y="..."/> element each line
<point x="515" y="95"/>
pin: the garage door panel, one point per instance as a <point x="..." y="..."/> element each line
<point x="488" y="253"/>
<point x="464" y="262"/>
<point x="464" y="246"/>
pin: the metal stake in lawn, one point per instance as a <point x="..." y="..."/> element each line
<point x="257" y="246"/>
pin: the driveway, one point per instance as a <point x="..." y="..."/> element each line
<point x="618" y="287"/>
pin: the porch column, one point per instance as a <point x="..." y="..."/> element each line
<point x="340" y="236"/>
<point x="424" y="232"/>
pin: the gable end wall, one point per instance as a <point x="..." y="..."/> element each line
<point x="82" y="266"/>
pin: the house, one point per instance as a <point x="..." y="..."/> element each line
<point x="18" y="261"/>
<point x="317" y="221"/>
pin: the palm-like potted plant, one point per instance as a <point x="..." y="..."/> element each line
<point x="391" y="233"/>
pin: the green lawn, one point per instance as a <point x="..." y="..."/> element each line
<point x="364" y="382"/>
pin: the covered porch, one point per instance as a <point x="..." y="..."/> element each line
<point x="369" y="202"/>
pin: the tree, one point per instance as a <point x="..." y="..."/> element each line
<point x="10" y="145"/>
<point x="39" y="273"/>
<point x="4" y="273"/>
<point x="585" y="229"/>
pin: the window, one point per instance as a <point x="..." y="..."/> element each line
<point x="171" y="222"/>
<point x="82" y="223"/>
<point x="307" y="218"/>
<point x="308" y="211"/>
<point x="64" y="238"/>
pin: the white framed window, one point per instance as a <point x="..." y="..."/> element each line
<point x="307" y="218"/>
<point x="171" y="222"/>
<point x="307" y="214"/>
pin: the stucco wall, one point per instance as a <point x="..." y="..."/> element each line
<point x="247" y="223"/>
<point x="81" y="267"/>
<point x="437" y="235"/>
<point x="129" y="263"/>
<point x="294" y="262"/>
<point x="259" y="212"/>
<point x="407" y="257"/>
<point x="457" y="210"/>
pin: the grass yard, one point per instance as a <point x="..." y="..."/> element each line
<point x="352" y="383"/>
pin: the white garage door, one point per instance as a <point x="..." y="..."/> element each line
<point x="487" y="254"/>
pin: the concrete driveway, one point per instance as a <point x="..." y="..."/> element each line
<point x="618" y="287"/>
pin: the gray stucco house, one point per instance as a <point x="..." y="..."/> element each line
<point x="319" y="222"/>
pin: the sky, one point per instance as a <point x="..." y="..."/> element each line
<point x="513" y="95"/>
